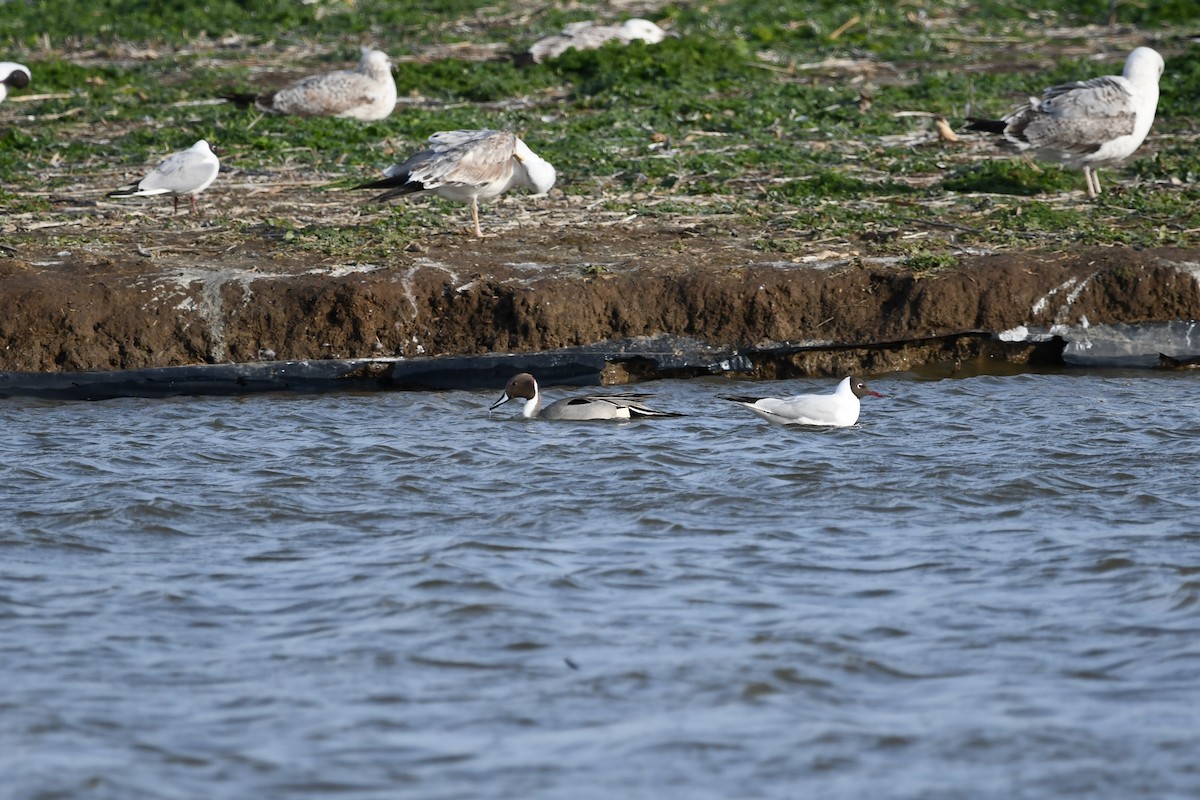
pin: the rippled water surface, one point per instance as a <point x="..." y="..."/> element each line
<point x="987" y="589"/>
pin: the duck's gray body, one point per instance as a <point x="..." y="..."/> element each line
<point x="586" y="407"/>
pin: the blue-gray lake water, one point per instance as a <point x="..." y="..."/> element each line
<point x="987" y="589"/>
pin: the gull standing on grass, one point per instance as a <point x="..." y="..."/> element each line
<point x="591" y="35"/>
<point x="1086" y="124"/>
<point x="467" y="166"/>
<point x="588" y="407"/>
<point x="188" y="172"/>
<point x="14" y="75"/>
<point x="365" y="93"/>
<point x="837" y="410"/>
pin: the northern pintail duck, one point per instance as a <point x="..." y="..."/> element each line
<point x="587" y="407"/>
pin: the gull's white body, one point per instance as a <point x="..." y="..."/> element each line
<point x="837" y="410"/>
<point x="186" y="173"/>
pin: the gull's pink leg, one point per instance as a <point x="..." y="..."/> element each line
<point x="475" y="217"/>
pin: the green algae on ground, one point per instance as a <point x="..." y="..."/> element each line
<point x="808" y="119"/>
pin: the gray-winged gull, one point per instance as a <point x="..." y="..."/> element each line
<point x="468" y="166"/>
<point x="365" y="93"/>
<point x="188" y="172"/>
<point x="838" y="410"/>
<point x="1086" y="124"/>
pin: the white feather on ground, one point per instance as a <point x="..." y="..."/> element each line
<point x="1087" y="124"/>
<point x="365" y="93"/>
<point x="188" y="172"/>
<point x="468" y="166"/>
<point x="590" y="35"/>
<point x="14" y="76"/>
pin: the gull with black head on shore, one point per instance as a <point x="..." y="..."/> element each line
<point x="837" y="410"/>
<point x="587" y="407"/>
<point x="467" y="166"/>
<point x="188" y="172"/>
<point x="13" y="75"/>
<point x="367" y="92"/>
<point x="1086" y="124"/>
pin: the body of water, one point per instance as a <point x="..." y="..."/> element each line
<point x="987" y="589"/>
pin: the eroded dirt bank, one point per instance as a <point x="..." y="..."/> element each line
<point x="179" y="302"/>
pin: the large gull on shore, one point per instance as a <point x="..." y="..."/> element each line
<point x="14" y="75"/>
<point x="188" y="172"/>
<point x="468" y="166"/>
<point x="1086" y="124"/>
<point x="590" y="35"/>
<point x="365" y="93"/>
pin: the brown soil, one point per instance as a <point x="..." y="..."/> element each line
<point x="188" y="292"/>
<point x="110" y="285"/>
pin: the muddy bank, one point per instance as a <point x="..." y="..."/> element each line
<point x="182" y="302"/>
<point x="607" y="363"/>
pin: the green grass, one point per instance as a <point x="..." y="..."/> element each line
<point x="924" y="262"/>
<point x="720" y="119"/>
<point x="885" y="27"/>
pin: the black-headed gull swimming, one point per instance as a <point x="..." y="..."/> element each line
<point x="837" y="410"/>
<point x="188" y="172"/>
<point x="365" y="93"/>
<point x="590" y="35"/>
<point x="468" y="166"/>
<point x="1086" y="124"/>
<point x="13" y="75"/>
<point x="587" y="407"/>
